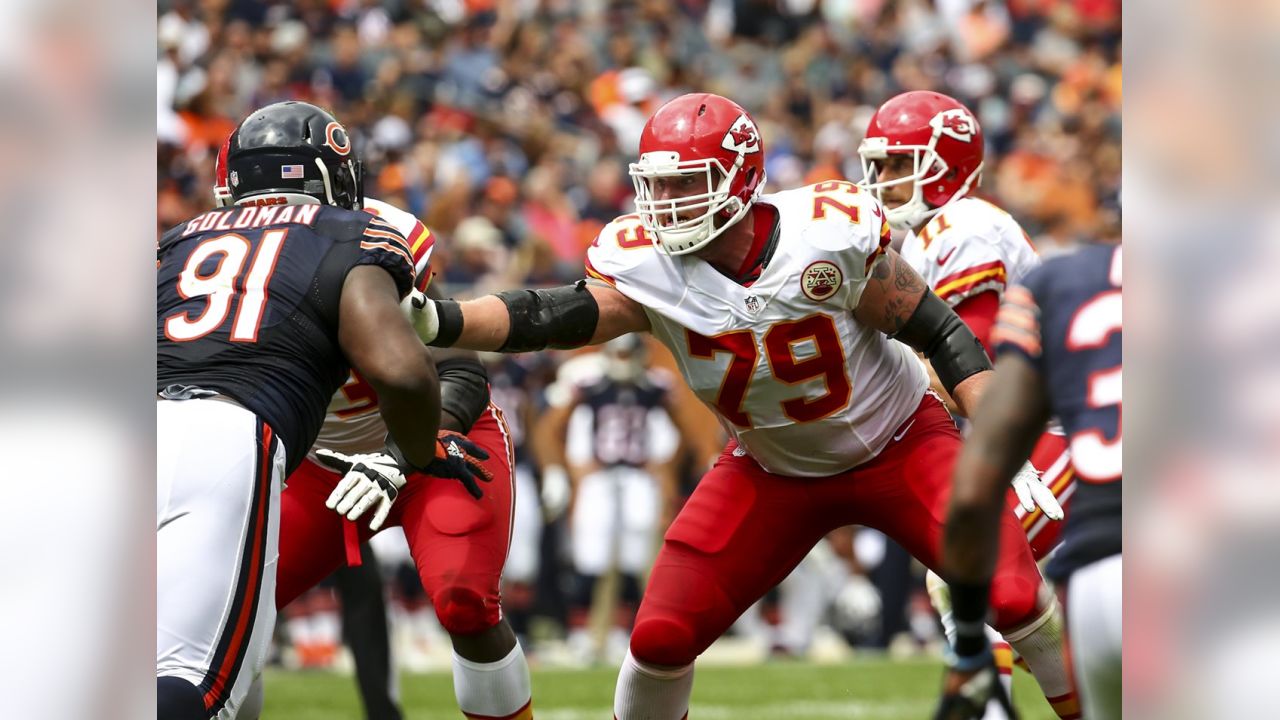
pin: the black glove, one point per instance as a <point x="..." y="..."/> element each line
<point x="459" y="458"/>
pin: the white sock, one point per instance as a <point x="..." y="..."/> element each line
<point x="498" y="690"/>
<point x="648" y="693"/>
<point x="1040" y="643"/>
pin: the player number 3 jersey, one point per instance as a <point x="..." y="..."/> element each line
<point x="802" y="386"/>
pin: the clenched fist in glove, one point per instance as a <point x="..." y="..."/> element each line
<point x="375" y="479"/>
<point x="421" y="313"/>
<point x="459" y="458"/>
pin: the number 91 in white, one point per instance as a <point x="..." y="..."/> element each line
<point x="219" y="287"/>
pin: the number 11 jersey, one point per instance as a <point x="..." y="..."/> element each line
<point x="247" y="305"/>
<point x="804" y="388"/>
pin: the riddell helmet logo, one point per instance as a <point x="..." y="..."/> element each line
<point x="821" y="280"/>
<point x="743" y="137"/>
<point x="956" y="123"/>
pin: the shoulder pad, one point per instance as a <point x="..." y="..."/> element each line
<point x="421" y="239"/>
<point x="621" y="245"/>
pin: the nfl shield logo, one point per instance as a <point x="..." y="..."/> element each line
<point x="753" y="304"/>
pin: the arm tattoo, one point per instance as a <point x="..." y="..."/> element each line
<point x="897" y="309"/>
<point x="906" y="279"/>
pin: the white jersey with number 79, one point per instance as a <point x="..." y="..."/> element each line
<point x="804" y="388"/>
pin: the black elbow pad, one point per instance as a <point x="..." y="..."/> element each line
<point x="464" y="389"/>
<point x="935" y="330"/>
<point x="562" y="317"/>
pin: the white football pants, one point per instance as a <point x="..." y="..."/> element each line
<point x="218" y="477"/>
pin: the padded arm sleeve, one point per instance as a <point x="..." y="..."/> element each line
<point x="464" y="389"/>
<point x="562" y="317"/>
<point x="936" y="331"/>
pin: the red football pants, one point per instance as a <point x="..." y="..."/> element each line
<point x="458" y="543"/>
<point x="744" y="529"/>
<point x="1052" y="459"/>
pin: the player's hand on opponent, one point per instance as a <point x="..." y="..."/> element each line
<point x="458" y="458"/>
<point x="1032" y="492"/>
<point x="421" y="313"/>
<point x="368" y="480"/>
<point x="971" y="683"/>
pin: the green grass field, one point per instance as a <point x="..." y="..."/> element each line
<point x="861" y="689"/>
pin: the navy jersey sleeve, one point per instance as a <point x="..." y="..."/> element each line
<point x="382" y="245"/>
<point x="1017" y="329"/>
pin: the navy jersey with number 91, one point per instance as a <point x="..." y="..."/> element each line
<point x="1065" y="319"/>
<point x="247" y="306"/>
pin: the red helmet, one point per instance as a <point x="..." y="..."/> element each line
<point x="945" y="140"/>
<point x="221" y="186"/>
<point x="706" y="134"/>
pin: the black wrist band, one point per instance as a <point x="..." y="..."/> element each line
<point x="969" y="605"/>
<point x="449" y="313"/>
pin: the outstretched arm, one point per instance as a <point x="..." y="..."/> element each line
<point x="897" y="302"/>
<point x="585" y="313"/>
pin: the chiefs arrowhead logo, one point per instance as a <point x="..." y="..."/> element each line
<point x="956" y="123"/>
<point x="743" y="137"/>
<point x="821" y="280"/>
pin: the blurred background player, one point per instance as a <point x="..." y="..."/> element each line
<point x="262" y="310"/>
<point x="923" y="156"/>
<point x="609" y="428"/>
<point x="1059" y="339"/>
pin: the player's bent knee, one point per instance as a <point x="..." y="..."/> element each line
<point x="177" y="699"/>
<point x="463" y="611"/>
<point x="663" y="641"/>
<point x="1014" y="602"/>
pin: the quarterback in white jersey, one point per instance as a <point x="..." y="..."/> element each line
<point x="791" y="318"/>
<point x="922" y="156"/>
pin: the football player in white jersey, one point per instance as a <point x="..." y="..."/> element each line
<point x="922" y="156"/>
<point x="792" y="319"/>
<point x="458" y="536"/>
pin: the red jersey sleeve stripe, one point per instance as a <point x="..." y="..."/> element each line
<point x="960" y="283"/>
<point x="592" y="272"/>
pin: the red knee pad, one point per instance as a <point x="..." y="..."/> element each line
<point x="463" y="611"/>
<point x="658" y="640"/>
<point x="1014" y="600"/>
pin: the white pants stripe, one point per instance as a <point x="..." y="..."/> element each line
<point x="1094" y="612"/>
<point x="219" y="472"/>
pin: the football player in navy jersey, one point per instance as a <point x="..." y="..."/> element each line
<point x="262" y="311"/>
<point x="1058" y="337"/>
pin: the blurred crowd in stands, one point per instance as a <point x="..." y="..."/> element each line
<point x="506" y="125"/>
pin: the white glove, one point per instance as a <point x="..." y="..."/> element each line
<point x="368" y="480"/>
<point x="857" y="604"/>
<point x="1031" y="491"/>
<point x="420" y="311"/>
<point x="555" y="491"/>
